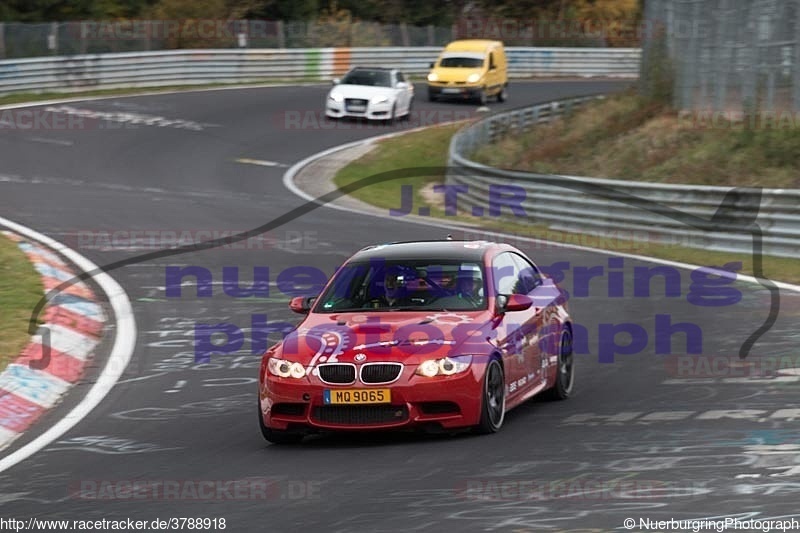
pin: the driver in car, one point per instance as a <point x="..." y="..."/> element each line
<point x="395" y="290"/>
<point x="469" y="287"/>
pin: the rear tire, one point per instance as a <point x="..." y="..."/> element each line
<point x="493" y="399"/>
<point x="565" y="372"/>
<point x="276" y="436"/>
<point x="410" y="108"/>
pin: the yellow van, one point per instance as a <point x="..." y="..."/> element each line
<point x="470" y="68"/>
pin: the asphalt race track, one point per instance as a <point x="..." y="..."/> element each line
<point x="639" y="439"/>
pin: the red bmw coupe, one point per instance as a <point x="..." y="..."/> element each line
<point x="438" y="335"/>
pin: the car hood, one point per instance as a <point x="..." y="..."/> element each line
<point x="407" y="337"/>
<point x="362" y="91"/>
<point x="449" y="75"/>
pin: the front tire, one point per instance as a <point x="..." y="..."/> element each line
<point x="389" y="121"/>
<point x="276" y="436"/>
<point x="493" y="399"/>
<point x="410" y="108"/>
<point x="502" y="96"/>
<point x="482" y="98"/>
<point x="565" y="373"/>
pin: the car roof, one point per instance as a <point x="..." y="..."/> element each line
<point x="386" y="69"/>
<point x="471" y="45"/>
<point x="428" y="250"/>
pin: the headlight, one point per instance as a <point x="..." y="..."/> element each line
<point x="473" y="78"/>
<point x="379" y="99"/>
<point x="433" y="77"/>
<point x="428" y="368"/>
<point x="297" y="371"/>
<point x="336" y="97"/>
<point x="447" y="366"/>
<point x="286" y="369"/>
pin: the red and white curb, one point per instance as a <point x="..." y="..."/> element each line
<point x="75" y="321"/>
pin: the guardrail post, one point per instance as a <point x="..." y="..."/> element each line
<point x="281" y="36"/>
<point x="52" y="38"/>
<point x="526" y="122"/>
<point x="242" y="33"/>
<point x="83" y="36"/>
<point x="771" y="89"/>
<point x="486" y="134"/>
<point x="431" y="36"/>
<point x="2" y="40"/>
<point x="404" y="34"/>
<point x="796" y="68"/>
<point x="149" y="30"/>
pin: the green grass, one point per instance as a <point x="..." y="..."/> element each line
<point x="429" y="148"/>
<point x="20" y="289"/>
<point x="624" y="137"/>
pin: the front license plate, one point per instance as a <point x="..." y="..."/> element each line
<point x="359" y="108"/>
<point x="357" y="396"/>
<point x="451" y="91"/>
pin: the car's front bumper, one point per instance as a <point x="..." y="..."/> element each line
<point x="454" y="91"/>
<point x="432" y="403"/>
<point x="369" y="111"/>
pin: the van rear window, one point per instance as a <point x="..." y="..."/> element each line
<point x="461" y="62"/>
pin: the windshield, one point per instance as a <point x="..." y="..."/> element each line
<point x="373" y="78"/>
<point x="418" y="285"/>
<point x="461" y="62"/>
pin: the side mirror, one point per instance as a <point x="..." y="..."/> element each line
<point x="431" y="65"/>
<point x="401" y="85"/>
<point x="302" y="304"/>
<point x="512" y="302"/>
<point x="335" y="81"/>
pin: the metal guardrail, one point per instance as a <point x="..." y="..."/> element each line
<point x="187" y="67"/>
<point x="715" y="218"/>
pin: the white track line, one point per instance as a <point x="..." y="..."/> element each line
<point x="288" y="182"/>
<point x="118" y="360"/>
